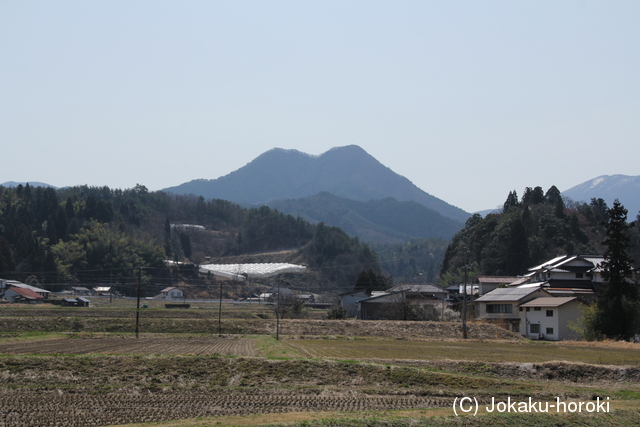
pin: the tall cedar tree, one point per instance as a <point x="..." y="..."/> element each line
<point x="617" y="305"/>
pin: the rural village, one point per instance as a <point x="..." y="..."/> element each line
<point x="319" y="213"/>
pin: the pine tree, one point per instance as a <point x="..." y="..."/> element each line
<point x="512" y="201"/>
<point x="617" y="305"/>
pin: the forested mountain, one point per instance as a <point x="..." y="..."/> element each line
<point x="96" y="234"/>
<point x="376" y="221"/>
<point x="11" y="184"/>
<point x="416" y="261"/>
<point x="348" y="172"/>
<point x="528" y="231"/>
<point x="609" y="187"/>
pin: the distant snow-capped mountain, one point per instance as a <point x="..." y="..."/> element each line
<point x="610" y="187"/>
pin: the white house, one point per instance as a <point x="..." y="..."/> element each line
<point x="171" y="293"/>
<point x="569" y="271"/>
<point x="501" y="305"/>
<point x="548" y="318"/>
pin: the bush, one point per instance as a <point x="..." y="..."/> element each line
<point x="337" y="312"/>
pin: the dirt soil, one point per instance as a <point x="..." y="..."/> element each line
<point x="129" y="345"/>
<point x="291" y="327"/>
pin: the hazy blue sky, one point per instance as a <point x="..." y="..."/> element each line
<point x="467" y="99"/>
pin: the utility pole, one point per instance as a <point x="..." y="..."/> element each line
<point x="220" y="312"/>
<point x="278" y="312"/>
<point x="138" y="301"/>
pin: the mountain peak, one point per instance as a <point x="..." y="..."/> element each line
<point x="349" y="172"/>
<point x="609" y="187"/>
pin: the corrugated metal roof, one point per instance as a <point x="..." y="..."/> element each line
<point x="26" y="292"/>
<point x="548" y="302"/>
<point x="507" y="294"/>
<point x="17" y="284"/>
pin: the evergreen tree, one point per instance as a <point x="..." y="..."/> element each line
<point x="553" y="195"/>
<point x="512" y="201"/>
<point x="517" y="254"/>
<point x="7" y="264"/>
<point x="167" y="237"/>
<point x="617" y="305"/>
<point x="369" y="280"/>
<point x="69" y="210"/>
<point x="185" y="241"/>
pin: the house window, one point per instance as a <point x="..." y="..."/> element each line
<point x="549" y="313"/>
<point x="528" y="308"/>
<point x="549" y="331"/>
<point x="534" y="328"/>
<point x="536" y="309"/>
<point x="499" y="308"/>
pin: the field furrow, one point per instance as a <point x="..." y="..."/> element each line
<point x="65" y="410"/>
<point x="164" y="345"/>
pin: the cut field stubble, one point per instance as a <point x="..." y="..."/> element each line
<point x="327" y="366"/>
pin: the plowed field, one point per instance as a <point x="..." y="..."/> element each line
<point x="52" y="409"/>
<point x="163" y="345"/>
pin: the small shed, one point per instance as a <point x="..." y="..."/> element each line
<point x="83" y="302"/>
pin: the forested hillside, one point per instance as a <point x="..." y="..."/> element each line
<point x="417" y="261"/>
<point x="375" y="221"/>
<point x="530" y="230"/>
<point x="97" y="234"/>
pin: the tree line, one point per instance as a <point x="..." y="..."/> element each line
<point x="527" y="231"/>
<point x="97" y="234"/>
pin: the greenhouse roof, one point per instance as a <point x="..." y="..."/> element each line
<point x="252" y="271"/>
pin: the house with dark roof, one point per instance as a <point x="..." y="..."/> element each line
<point x="418" y="291"/>
<point x="401" y="302"/>
<point x="380" y="307"/>
<point x="569" y="271"/>
<point x="488" y="283"/>
<point x="502" y="305"/>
